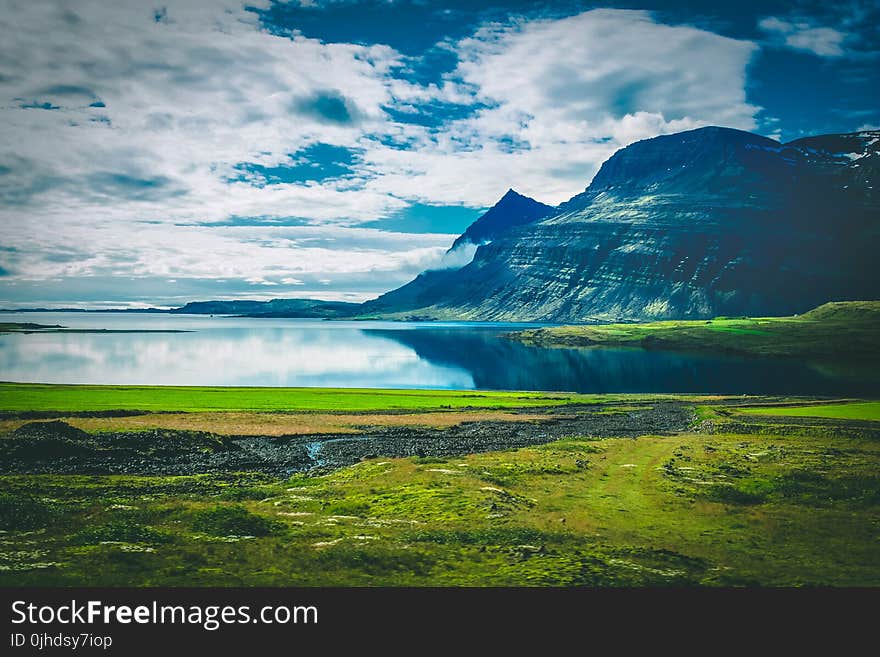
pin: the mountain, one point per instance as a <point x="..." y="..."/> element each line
<point x="698" y="224"/>
<point x="274" y="308"/>
<point x="512" y="210"/>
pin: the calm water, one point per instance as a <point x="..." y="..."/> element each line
<point x="293" y="352"/>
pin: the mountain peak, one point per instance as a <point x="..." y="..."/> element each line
<point x="513" y="209"/>
<point x="710" y="150"/>
<point x="710" y="134"/>
<point x="511" y="195"/>
<point x="718" y="130"/>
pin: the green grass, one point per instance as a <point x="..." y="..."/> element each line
<point x="50" y="397"/>
<point x="756" y="507"/>
<point x="853" y="411"/>
<point x="690" y="509"/>
<point x="839" y="330"/>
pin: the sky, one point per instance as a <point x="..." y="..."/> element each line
<point x="157" y="153"/>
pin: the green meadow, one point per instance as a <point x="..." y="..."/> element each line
<point x="850" y="411"/>
<point x="747" y="496"/>
<point x="77" y="398"/>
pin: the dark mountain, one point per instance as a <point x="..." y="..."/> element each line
<point x="702" y="223"/>
<point x="306" y="308"/>
<point x="512" y="210"/>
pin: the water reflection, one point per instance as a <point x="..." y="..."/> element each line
<point x="495" y="362"/>
<point x="282" y="352"/>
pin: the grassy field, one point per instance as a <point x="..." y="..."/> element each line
<point x="851" y="411"/>
<point x="50" y="397"/>
<point x="839" y="330"/>
<point x="763" y="504"/>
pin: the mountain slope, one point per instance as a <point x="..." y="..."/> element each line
<point x="513" y="211"/>
<point x="702" y="223"/>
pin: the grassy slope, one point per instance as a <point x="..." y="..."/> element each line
<point x="843" y="329"/>
<point x="660" y="510"/>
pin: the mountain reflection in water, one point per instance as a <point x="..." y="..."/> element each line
<point x="290" y="352"/>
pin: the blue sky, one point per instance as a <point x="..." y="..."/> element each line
<point x="158" y="153"/>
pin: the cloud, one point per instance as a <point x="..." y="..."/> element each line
<point x="252" y="261"/>
<point x="132" y="188"/>
<point x="561" y="95"/>
<point x="458" y="257"/>
<point x="609" y="64"/>
<point x="327" y="107"/>
<point x="185" y="99"/>
<point x="803" y="35"/>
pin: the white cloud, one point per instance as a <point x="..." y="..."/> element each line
<point x="186" y="100"/>
<point x="573" y="90"/>
<point x="257" y="254"/>
<point x="803" y="35"/>
<point x="103" y="190"/>
<point x="458" y="257"/>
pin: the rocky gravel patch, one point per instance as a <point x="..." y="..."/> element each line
<point x="58" y="448"/>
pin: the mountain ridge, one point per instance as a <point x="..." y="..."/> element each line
<point x="712" y="221"/>
<point x="707" y="222"/>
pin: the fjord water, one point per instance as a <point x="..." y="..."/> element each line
<point x="229" y="351"/>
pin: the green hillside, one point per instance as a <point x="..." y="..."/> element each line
<point x="841" y="329"/>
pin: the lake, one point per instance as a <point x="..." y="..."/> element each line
<point x="229" y="351"/>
